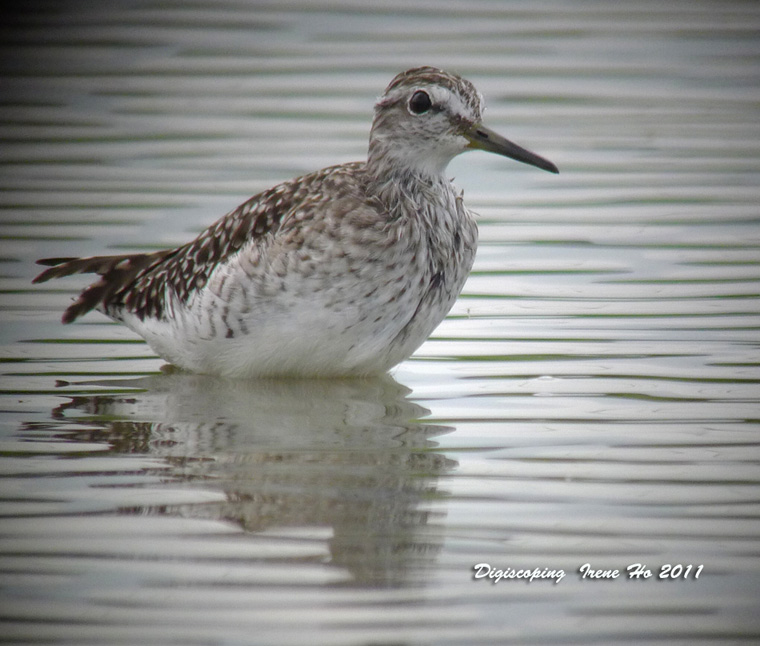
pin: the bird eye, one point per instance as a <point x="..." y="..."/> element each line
<point x="420" y="102"/>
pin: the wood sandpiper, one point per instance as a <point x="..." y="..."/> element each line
<point x="344" y="271"/>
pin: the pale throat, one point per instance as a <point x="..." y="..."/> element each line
<point x="389" y="157"/>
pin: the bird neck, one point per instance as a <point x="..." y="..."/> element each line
<point x="403" y="189"/>
<point x="394" y="156"/>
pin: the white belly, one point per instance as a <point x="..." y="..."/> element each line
<point x="350" y="309"/>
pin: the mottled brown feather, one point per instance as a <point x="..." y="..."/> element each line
<point x="141" y="283"/>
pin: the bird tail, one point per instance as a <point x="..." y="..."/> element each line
<point x="116" y="273"/>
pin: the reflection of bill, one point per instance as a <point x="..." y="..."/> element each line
<point x="529" y="575"/>
<point x="347" y="458"/>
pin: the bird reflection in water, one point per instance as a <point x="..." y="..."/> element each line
<point x="349" y="458"/>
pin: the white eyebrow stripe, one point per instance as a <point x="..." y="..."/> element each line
<point x="452" y="101"/>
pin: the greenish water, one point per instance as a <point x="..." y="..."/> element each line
<point x="593" y="397"/>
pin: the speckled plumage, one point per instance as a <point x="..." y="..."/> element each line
<point x="345" y="271"/>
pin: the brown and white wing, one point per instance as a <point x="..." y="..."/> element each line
<point x="137" y="283"/>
